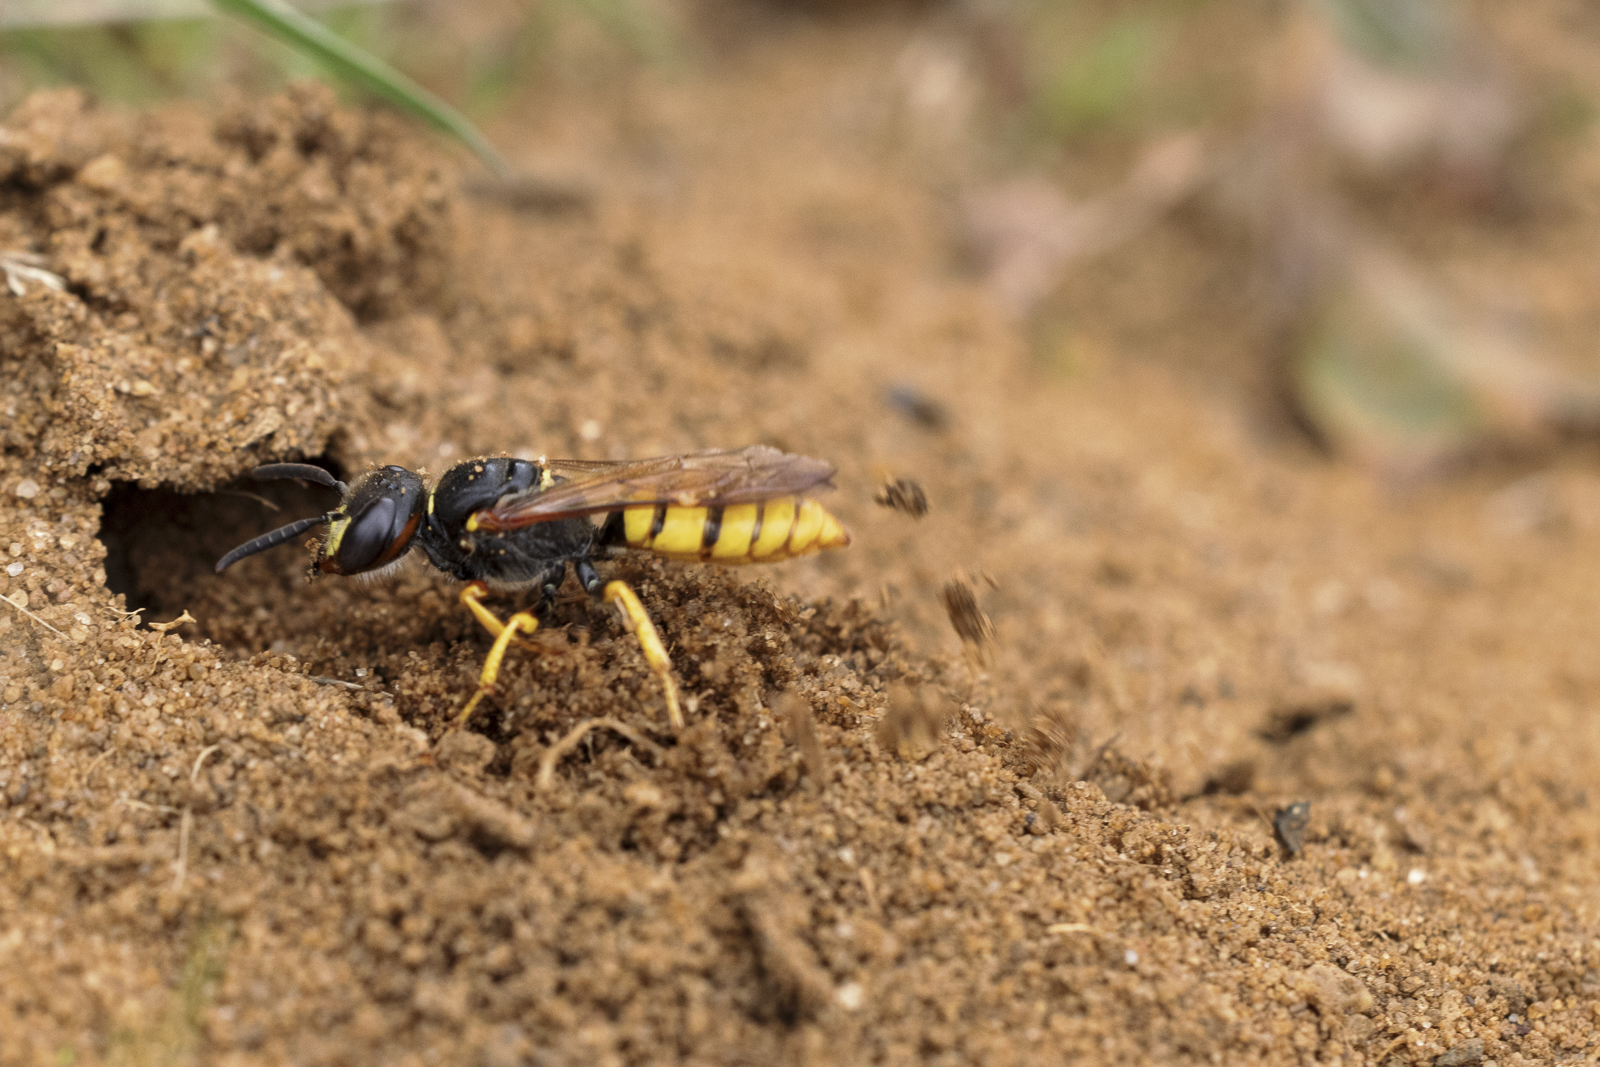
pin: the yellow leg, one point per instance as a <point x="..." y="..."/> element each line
<point x="655" y="653"/>
<point x="472" y="595"/>
<point x="505" y="633"/>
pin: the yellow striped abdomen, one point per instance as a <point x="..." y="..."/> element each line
<point x="767" y="532"/>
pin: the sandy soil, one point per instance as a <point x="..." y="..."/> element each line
<point x="253" y="839"/>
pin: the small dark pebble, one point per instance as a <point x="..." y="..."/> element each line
<point x="1285" y="723"/>
<point x="920" y="409"/>
<point x="1290" y="823"/>
<point x="1463" y="1055"/>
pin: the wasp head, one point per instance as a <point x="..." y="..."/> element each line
<point x="374" y="524"/>
<point x="372" y="527"/>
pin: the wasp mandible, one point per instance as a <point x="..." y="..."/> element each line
<point x="508" y="524"/>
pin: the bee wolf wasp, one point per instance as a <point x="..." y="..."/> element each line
<point x="509" y="524"/>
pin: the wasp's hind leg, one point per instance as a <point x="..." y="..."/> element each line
<point x="588" y="577"/>
<point x="504" y="633"/>
<point x="655" y="653"/>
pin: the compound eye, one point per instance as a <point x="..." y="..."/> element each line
<point x="368" y="537"/>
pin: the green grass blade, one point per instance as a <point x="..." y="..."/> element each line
<point x="365" y="70"/>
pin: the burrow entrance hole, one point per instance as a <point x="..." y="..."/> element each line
<point x="162" y="549"/>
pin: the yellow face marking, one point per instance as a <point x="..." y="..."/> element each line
<point x="636" y="526"/>
<point x="738" y="523"/>
<point x="681" y="534"/>
<point x="774" y="528"/>
<point x="336" y="530"/>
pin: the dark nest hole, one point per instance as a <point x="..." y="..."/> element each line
<point x="162" y="546"/>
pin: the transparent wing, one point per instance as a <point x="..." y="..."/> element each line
<point x="694" y="479"/>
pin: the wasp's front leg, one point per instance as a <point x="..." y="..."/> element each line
<point x="504" y="633"/>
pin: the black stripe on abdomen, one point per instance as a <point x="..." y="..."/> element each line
<point x="711" y="531"/>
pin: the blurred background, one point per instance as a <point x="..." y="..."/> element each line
<point x="1370" y="222"/>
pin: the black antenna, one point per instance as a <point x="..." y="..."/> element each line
<point x="276" y="537"/>
<point x="304" y="471"/>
